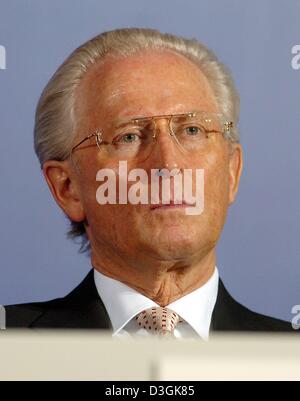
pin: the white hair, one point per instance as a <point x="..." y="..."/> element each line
<point x="55" y="121"/>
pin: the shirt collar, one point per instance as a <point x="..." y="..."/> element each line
<point x="123" y="303"/>
<point x="196" y="308"/>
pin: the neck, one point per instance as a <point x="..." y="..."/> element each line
<point x="163" y="281"/>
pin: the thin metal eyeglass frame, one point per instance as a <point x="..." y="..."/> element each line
<point x="97" y="134"/>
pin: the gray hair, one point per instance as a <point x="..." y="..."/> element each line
<point x="54" y="130"/>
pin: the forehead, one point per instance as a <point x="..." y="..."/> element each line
<point x="142" y="85"/>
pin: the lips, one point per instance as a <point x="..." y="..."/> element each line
<point x="170" y="205"/>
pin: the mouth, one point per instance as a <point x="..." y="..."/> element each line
<point x="170" y="206"/>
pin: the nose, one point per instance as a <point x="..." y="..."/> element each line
<point x="165" y="152"/>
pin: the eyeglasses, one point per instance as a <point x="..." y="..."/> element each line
<point x="134" y="139"/>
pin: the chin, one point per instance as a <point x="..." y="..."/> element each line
<point x="173" y="244"/>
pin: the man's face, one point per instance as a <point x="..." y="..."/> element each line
<point x="148" y="85"/>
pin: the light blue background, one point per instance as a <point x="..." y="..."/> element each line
<point x="258" y="255"/>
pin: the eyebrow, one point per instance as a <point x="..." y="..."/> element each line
<point x="126" y="117"/>
<point x="120" y="122"/>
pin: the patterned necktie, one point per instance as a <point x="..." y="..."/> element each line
<point x="158" y="320"/>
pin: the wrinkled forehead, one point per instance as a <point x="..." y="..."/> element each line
<point x="142" y="85"/>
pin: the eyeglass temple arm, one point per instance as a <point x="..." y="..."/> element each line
<point x="85" y="139"/>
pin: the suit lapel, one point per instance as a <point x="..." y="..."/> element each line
<point x="227" y="312"/>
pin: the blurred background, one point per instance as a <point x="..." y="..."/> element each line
<point x="259" y="252"/>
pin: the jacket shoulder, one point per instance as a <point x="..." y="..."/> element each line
<point x="25" y="315"/>
<point x="80" y="309"/>
<point x="255" y="321"/>
<point x="230" y="315"/>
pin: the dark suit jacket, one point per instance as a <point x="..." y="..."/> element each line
<point x="83" y="309"/>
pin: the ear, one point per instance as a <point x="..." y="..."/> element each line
<point x="62" y="183"/>
<point x="235" y="169"/>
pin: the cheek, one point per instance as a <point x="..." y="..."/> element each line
<point x="88" y="190"/>
<point x="107" y="224"/>
<point x="89" y="165"/>
<point x="216" y="182"/>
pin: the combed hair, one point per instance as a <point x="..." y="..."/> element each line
<point x="55" y="122"/>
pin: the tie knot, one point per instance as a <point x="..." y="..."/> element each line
<point x="158" y="320"/>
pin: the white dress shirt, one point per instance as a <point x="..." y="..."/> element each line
<point x="124" y="303"/>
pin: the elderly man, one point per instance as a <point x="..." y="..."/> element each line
<point x="145" y="101"/>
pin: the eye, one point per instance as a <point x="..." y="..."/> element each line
<point x="194" y="130"/>
<point x="129" y="138"/>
